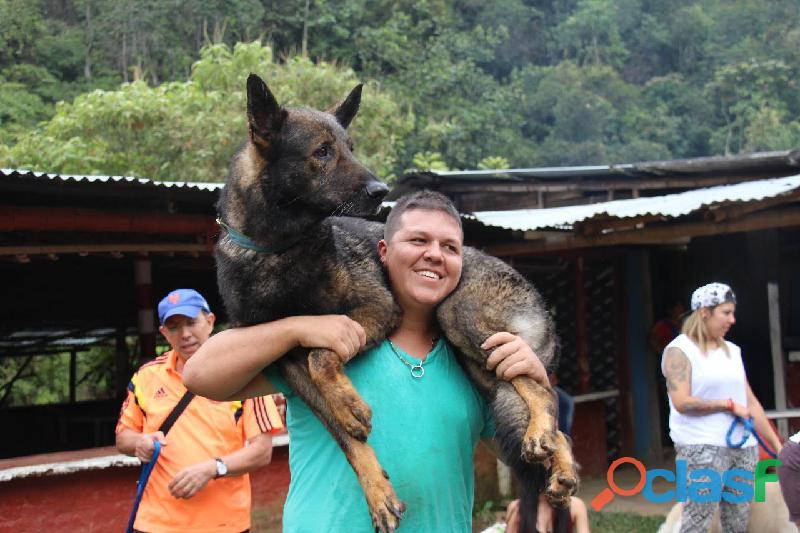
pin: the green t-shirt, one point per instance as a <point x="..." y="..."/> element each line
<point x="424" y="432"/>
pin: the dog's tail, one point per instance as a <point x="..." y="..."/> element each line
<point x="530" y="479"/>
<point x="511" y="418"/>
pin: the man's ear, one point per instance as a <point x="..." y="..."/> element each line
<point x="264" y="116"/>
<point x="346" y="111"/>
<point x="382" y="251"/>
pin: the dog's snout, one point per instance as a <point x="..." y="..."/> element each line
<point x="376" y="189"/>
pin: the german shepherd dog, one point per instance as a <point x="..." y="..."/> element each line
<point x="293" y="246"/>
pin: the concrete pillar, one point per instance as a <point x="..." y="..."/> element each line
<point x="144" y="302"/>
<point x="641" y="364"/>
<point x="73" y="375"/>
<point x="581" y="335"/>
<point x="122" y="363"/>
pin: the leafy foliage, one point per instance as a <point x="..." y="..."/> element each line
<point x="45" y="379"/>
<point x="537" y="83"/>
<point x="188" y="131"/>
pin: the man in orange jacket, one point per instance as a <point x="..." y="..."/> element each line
<point x="200" y="481"/>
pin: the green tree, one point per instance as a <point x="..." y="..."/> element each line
<point x="189" y="130"/>
<point x="23" y="23"/>
<point x="591" y="35"/>
<point x="493" y="162"/>
<point x="743" y="91"/>
<point x="428" y="161"/>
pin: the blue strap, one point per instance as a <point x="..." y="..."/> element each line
<point x="748" y="426"/>
<point x="242" y="240"/>
<point x="147" y="468"/>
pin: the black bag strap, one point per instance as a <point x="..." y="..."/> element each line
<point x="176" y="412"/>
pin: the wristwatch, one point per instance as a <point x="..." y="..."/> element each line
<point x="222" y="468"/>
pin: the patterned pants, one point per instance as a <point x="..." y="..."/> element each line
<point x="696" y="517"/>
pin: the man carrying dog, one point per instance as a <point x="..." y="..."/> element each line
<point x="427" y="416"/>
<point x="199" y="482"/>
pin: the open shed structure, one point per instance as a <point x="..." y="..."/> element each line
<point x="612" y="247"/>
<point x="84" y="259"/>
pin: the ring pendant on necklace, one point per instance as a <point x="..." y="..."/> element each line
<point x="417" y="371"/>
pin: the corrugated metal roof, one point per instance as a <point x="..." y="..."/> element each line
<point x="668" y="206"/>
<point x="114" y="179"/>
<point x="677" y="168"/>
<point x="539" y="172"/>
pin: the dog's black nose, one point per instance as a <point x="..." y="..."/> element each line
<point x="376" y="189"/>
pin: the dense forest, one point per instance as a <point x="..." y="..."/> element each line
<point x="154" y="88"/>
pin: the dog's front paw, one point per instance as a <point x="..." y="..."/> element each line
<point x="356" y="417"/>
<point x="537" y="448"/>
<point x="384" y="507"/>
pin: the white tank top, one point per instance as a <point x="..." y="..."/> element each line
<point x="715" y="376"/>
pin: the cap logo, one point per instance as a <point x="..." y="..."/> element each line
<point x="174" y="297"/>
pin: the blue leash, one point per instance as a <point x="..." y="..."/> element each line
<point x="749" y="428"/>
<point x="147" y="468"/>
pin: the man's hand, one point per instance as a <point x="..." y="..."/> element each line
<point x="145" y="447"/>
<point x="338" y="333"/>
<point x="192" y="479"/>
<point x="512" y="357"/>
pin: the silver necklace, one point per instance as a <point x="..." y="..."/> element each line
<point x="416" y="369"/>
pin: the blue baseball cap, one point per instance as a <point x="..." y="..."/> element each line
<point x="187" y="302"/>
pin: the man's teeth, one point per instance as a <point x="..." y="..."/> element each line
<point x="428" y="274"/>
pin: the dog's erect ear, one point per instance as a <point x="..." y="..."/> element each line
<point x="346" y="111"/>
<point x="264" y="115"/>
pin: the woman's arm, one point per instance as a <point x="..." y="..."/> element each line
<point x="678" y="371"/>
<point x="228" y="365"/>
<point x="761" y="422"/>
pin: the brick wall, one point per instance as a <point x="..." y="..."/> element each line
<point x="100" y="500"/>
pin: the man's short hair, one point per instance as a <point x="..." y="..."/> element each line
<point x="424" y="199"/>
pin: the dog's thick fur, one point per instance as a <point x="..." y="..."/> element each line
<point x="770" y="516"/>
<point x="293" y="189"/>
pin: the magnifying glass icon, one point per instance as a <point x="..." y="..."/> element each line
<point x="607" y="494"/>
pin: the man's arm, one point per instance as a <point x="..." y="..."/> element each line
<point x="678" y="371"/>
<point x="192" y="479"/>
<point x="228" y="365"/>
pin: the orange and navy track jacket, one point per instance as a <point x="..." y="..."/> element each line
<point x="206" y="429"/>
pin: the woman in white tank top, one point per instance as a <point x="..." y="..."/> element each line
<point x="707" y="387"/>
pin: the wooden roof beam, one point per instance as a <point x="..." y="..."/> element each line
<point x="111" y="249"/>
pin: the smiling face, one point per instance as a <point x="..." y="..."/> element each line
<point x="719" y="319"/>
<point x="186" y="334"/>
<point x="423" y="258"/>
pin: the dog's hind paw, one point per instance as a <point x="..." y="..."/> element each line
<point x="537" y="449"/>
<point x="560" y="488"/>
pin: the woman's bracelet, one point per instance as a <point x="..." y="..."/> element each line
<point x="729" y="405"/>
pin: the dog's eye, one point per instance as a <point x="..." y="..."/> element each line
<point x="322" y="152"/>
